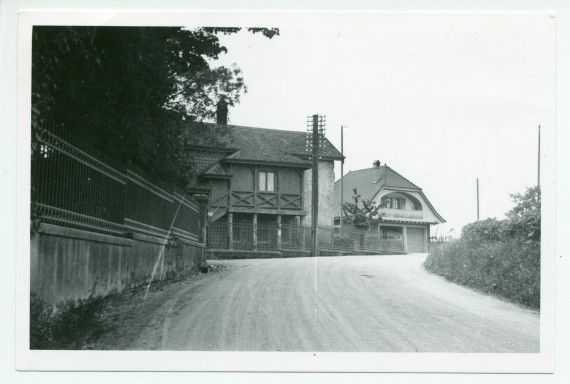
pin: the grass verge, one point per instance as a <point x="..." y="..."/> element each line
<point x="508" y="268"/>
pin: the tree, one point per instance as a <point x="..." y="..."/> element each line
<point x="525" y="217"/>
<point x="132" y="91"/>
<point x="361" y="216"/>
<point x="523" y="221"/>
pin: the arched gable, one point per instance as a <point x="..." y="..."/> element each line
<point x="413" y="201"/>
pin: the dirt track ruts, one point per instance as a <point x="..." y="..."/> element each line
<point x="356" y="303"/>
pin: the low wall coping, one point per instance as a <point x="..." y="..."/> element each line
<point x="56" y="230"/>
<point x="243" y="251"/>
<point x="161" y="240"/>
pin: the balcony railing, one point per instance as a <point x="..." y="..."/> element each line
<point x="401" y="213"/>
<point x="269" y="200"/>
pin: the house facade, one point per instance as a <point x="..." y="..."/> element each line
<point x="405" y="213"/>
<point x="258" y="182"/>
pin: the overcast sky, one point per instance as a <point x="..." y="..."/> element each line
<point x="441" y="98"/>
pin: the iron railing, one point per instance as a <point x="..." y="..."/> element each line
<point x="247" y="236"/>
<point x="74" y="185"/>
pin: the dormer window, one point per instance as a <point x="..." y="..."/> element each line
<point x="394" y="203"/>
<point x="267" y="181"/>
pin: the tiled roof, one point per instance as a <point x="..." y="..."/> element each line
<point x="202" y="159"/>
<point x="260" y="145"/>
<point x="217" y="169"/>
<point x="271" y="145"/>
<point x="369" y="181"/>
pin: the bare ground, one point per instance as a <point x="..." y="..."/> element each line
<point x="355" y="303"/>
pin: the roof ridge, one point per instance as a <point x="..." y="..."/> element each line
<point x="258" y="128"/>
<point x="362" y="169"/>
<point x="268" y="129"/>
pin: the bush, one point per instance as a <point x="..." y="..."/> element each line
<point x="509" y="268"/>
<point x="497" y="256"/>
<point x="485" y="230"/>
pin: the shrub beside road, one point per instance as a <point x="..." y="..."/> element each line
<point x="500" y="257"/>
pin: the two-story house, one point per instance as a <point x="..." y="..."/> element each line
<point x="405" y="214"/>
<point x="259" y="185"/>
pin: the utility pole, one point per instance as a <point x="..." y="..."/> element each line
<point x="341" y="175"/>
<point x="477" y="199"/>
<point x="316" y="124"/>
<point x="538" y="177"/>
<point x="315" y="188"/>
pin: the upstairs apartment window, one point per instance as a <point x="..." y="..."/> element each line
<point x="267" y="181"/>
<point x="394" y="203"/>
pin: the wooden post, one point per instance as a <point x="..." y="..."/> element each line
<point x="405" y="236"/>
<point x="279" y="226"/>
<point x="538" y="174"/>
<point x="230" y="230"/>
<point x="341" y="176"/>
<point x="428" y="230"/>
<point x="315" y="188"/>
<point x="426" y="237"/>
<point x="204" y="226"/>
<point x="477" y="199"/>
<point x="255" y="231"/>
<point x="302" y="230"/>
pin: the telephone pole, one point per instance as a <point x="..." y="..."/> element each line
<point x="341" y="175"/>
<point x="316" y="124"/>
<point x="477" y="199"/>
<point x="538" y="177"/>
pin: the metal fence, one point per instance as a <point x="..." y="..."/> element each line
<point x="247" y="236"/>
<point x="76" y="186"/>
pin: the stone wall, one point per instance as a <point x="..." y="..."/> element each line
<point x="70" y="266"/>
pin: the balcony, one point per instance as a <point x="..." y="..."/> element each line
<point x="390" y="213"/>
<point x="244" y="201"/>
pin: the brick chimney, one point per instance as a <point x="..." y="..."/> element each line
<point x="376" y="164"/>
<point x="222" y="112"/>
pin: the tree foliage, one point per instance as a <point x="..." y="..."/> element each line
<point x="132" y="91"/>
<point x="525" y="217"/>
<point x="501" y="257"/>
<point x="523" y="221"/>
<point x="362" y="214"/>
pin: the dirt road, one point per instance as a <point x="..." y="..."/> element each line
<point x="357" y="303"/>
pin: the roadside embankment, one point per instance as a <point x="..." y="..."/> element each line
<point x="508" y="268"/>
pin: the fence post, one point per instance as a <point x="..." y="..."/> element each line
<point x="255" y="231"/>
<point x="230" y="230"/>
<point x="202" y="200"/>
<point x="302" y="228"/>
<point x="279" y="232"/>
<point x="405" y="230"/>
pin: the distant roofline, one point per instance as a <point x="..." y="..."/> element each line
<point x="384" y="185"/>
<point x="305" y="165"/>
<point x="212" y="148"/>
<point x="257" y="128"/>
<point x="340" y="158"/>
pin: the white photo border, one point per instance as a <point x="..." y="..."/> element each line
<point x="27" y="359"/>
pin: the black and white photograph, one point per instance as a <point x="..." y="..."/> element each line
<point x="287" y="191"/>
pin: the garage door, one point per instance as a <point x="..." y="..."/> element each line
<point x="415" y="240"/>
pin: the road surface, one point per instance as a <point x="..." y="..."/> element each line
<point x="341" y="304"/>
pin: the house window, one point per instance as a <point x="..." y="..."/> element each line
<point x="267" y="181"/>
<point x="394" y="203"/>
<point x="391" y="233"/>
